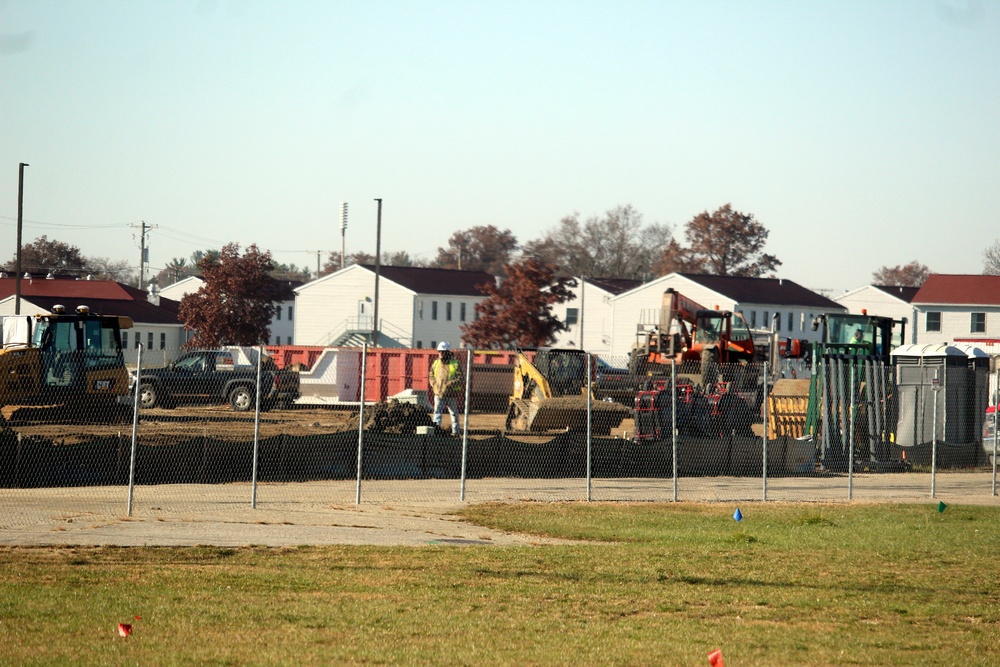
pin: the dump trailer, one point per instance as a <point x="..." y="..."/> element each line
<point x="551" y="394"/>
<point x="64" y="366"/>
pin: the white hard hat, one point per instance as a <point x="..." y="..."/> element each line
<point x="443" y="345"/>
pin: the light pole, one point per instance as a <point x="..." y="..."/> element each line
<point x="378" y="270"/>
<point x="20" y="210"/>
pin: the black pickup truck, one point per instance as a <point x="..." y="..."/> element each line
<point x="217" y="376"/>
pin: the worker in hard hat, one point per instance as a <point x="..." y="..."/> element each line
<point x="445" y="380"/>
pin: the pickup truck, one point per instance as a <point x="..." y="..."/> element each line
<point x="217" y="376"/>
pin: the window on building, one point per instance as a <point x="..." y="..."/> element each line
<point x="163" y="341"/>
<point x="277" y="340"/>
<point x="290" y="309"/>
<point x="138" y="340"/>
<point x="434" y="344"/>
<point x="753" y="319"/>
<point x="278" y="314"/>
<point x="572" y="316"/>
<point x="149" y="341"/>
<point x="420" y="309"/>
<point x="766" y="323"/>
<point x="447" y="311"/>
<point x="777" y="321"/>
<point x="124" y="340"/>
<point x="978" y="324"/>
<point x="461" y="311"/>
<point x="420" y="344"/>
<point x="933" y="322"/>
<point x="434" y="310"/>
<point x="791" y="324"/>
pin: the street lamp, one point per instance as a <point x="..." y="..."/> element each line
<point x="20" y="210"/>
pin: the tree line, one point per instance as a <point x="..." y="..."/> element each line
<point x="241" y="292"/>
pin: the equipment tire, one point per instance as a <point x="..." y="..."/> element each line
<point x="241" y="398"/>
<point x="148" y="396"/>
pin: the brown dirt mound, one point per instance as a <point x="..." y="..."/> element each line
<point x="395" y="417"/>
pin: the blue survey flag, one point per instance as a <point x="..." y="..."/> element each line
<point x="738" y="515"/>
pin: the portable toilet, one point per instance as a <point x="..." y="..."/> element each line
<point x="932" y="384"/>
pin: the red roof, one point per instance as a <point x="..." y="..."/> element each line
<point x="959" y="290"/>
<point x="103" y="297"/>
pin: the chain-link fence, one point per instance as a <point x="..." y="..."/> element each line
<point x="238" y="427"/>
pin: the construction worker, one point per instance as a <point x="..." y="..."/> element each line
<point x="445" y="381"/>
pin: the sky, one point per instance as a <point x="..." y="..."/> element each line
<point x="861" y="134"/>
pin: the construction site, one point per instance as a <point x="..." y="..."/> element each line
<point x="700" y="396"/>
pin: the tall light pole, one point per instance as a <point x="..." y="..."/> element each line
<point x="343" y="233"/>
<point x="20" y="210"/>
<point x="378" y="270"/>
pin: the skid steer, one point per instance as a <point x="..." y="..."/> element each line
<point x="550" y="394"/>
<point x="63" y="366"/>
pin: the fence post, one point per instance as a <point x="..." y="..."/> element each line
<point x="673" y="419"/>
<point x="850" y="435"/>
<point x="934" y="388"/>
<point x="135" y="429"/>
<point x="361" y="419"/>
<point x="590" y="393"/>
<point x="767" y="412"/>
<point x="465" y="431"/>
<point x="256" y="432"/>
<point x="996" y="432"/>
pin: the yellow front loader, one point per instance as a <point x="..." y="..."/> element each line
<point x="550" y="394"/>
<point x="66" y="365"/>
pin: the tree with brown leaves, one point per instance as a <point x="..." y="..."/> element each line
<point x="910" y="275"/>
<point x="518" y="312"/>
<point x="237" y="301"/>
<point x="723" y="243"/>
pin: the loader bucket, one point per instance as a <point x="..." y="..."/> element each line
<point x="565" y="413"/>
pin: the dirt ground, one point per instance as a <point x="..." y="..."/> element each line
<point x="225" y="424"/>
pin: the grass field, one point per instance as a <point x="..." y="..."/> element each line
<point x="647" y="585"/>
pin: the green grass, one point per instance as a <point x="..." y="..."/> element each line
<point x="652" y="584"/>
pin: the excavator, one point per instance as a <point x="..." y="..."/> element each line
<point x="550" y="393"/>
<point x="64" y="365"/>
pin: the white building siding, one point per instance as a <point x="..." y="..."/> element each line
<point x="956" y="324"/>
<point x="428" y="332"/>
<point x="345" y="300"/>
<point x="593" y="307"/>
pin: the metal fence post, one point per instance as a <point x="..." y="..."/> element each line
<point x="361" y="420"/>
<point x="465" y="431"/>
<point x="996" y="432"/>
<point x="767" y="412"/>
<point x="135" y="429"/>
<point x="590" y="393"/>
<point x="934" y="389"/>
<point x="850" y="436"/>
<point x="673" y="419"/>
<point x="256" y="431"/>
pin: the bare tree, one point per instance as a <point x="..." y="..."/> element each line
<point x="991" y="259"/>
<point x="909" y="275"/>
<point x="615" y="245"/>
<point x="482" y="248"/>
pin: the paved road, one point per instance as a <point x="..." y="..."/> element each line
<point x="420" y="512"/>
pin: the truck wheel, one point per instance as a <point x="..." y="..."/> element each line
<point x="147" y="396"/>
<point x="241" y="398"/>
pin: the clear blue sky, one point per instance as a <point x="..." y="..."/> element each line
<point x="861" y="134"/>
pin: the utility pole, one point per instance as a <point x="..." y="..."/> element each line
<point x="20" y="209"/>
<point x="143" y="250"/>
<point x="378" y="270"/>
<point x="343" y="234"/>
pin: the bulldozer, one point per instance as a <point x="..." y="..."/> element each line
<point x="550" y="393"/>
<point x="62" y="366"/>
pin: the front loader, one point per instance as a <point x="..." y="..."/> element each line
<point x="551" y="395"/>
